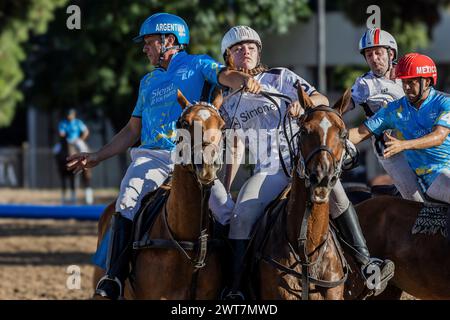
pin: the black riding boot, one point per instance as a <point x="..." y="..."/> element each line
<point x="111" y="285"/>
<point x="234" y="290"/>
<point x="350" y="229"/>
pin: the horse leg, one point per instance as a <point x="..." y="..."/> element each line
<point x="73" y="196"/>
<point x="390" y="293"/>
<point x="88" y="192"/>
<point x="63" y="188"/>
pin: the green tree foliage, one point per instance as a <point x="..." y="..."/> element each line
<point x="99" y="67"/>
<point x="411" y="22"/>
<point x="18" y="20"/>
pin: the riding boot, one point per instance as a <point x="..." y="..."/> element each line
<point x="117" y="265"/>
<point x="234" y="290"/>
<point x="350" y="229"/>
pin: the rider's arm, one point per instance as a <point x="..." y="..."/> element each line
<point x="235" y="80"/>
<point x="61" y="130"/>
<point x="356" y="135"/>
<point x="433" y="139"/>
<point x="126" y="138"/>
<point x="85" y="134"/>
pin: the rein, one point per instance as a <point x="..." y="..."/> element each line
<point x="200" y="246"/>
<point x="300" y="255"/>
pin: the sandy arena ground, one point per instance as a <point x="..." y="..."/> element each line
<point x="38" y="256"/>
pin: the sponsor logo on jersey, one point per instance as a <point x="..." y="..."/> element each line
<point x="185" y="73"/>
<point x="446" y="118"/>
<point x="264" y="109"/>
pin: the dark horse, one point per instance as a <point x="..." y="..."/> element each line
<point x="297" y="255"/>
<point x="67" y="177"/>
<point x="413" y="236"/>
<point x="179" y="262"/>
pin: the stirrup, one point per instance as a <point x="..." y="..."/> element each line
<point x="235" y="295"/>
<point x="228" y="294"/>
<point x="386" y="270"/>
<point x="103" y="293"/>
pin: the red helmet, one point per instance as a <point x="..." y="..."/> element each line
<point x="413" y="65"/>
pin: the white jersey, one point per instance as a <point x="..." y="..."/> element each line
<point x="249" y="111"/>
<point x="375" y="92"/>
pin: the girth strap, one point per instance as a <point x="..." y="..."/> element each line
<point x="318" y="282"/>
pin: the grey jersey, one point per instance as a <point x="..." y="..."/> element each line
<point x="376" y="92"/>
<point x="256" y="112"/>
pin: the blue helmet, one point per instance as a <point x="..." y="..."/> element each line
<point x="165" y="23"/>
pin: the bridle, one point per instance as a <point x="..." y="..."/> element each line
<point x="300" y="255"/>
<point x="201" y="245"/>
<point x="302" y="165"/>
<point x="182" y="123"/>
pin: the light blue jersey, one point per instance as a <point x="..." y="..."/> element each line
<point x="72" y="129"/>
<point x="157" y="103"/>
<point x="412" y="124"/>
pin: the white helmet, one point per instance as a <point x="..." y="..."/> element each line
<point x="377" y="38"/>
<point x="238" y="34"/>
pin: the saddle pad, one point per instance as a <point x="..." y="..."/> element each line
<point x="432" y="218"/>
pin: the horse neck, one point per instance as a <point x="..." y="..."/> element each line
<point x="317" y="225"/>
<point x="184" y="204"/>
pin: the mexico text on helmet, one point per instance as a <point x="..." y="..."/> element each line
<point x="415" y="65"/>
<point x="239" y="34"/>
<point x="165" y="23"/>
<point x="377" y="38"/>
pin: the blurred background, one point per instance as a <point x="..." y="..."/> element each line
<point x="47" y="68"/>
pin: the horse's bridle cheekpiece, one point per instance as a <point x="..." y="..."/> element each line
<point x="302" y="166"/>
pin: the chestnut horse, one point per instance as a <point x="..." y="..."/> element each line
<point x="298" y="257"/>
<point x="183" y="264"/>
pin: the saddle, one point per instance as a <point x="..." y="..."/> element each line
<point x="433" y="218"/>
<point x="151" y="204"/>
<point x="275" y="210"/>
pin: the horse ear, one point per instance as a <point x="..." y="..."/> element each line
<point x="304" y="99"/>
<point x="217" y="98"/>
<point x="182" y="100"/>
<point x="344" y="102"/>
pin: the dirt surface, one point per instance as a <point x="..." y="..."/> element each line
<point x="40" y="258"/>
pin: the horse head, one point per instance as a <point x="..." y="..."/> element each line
<point x="321" y="145"/>
<point x="199" y="130"/>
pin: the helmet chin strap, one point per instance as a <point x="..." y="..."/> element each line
<point x="164" y="49"/>
<point x="421" y="92"/>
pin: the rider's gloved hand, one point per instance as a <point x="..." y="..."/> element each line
<point x="295" y="110"/>
<point x="350" y="160"/>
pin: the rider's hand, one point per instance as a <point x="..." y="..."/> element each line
<point x="251" y="85"/>
<point x="80" y="161"/>
<point x="295" y="110"/>
<point x="393" y="146"/>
